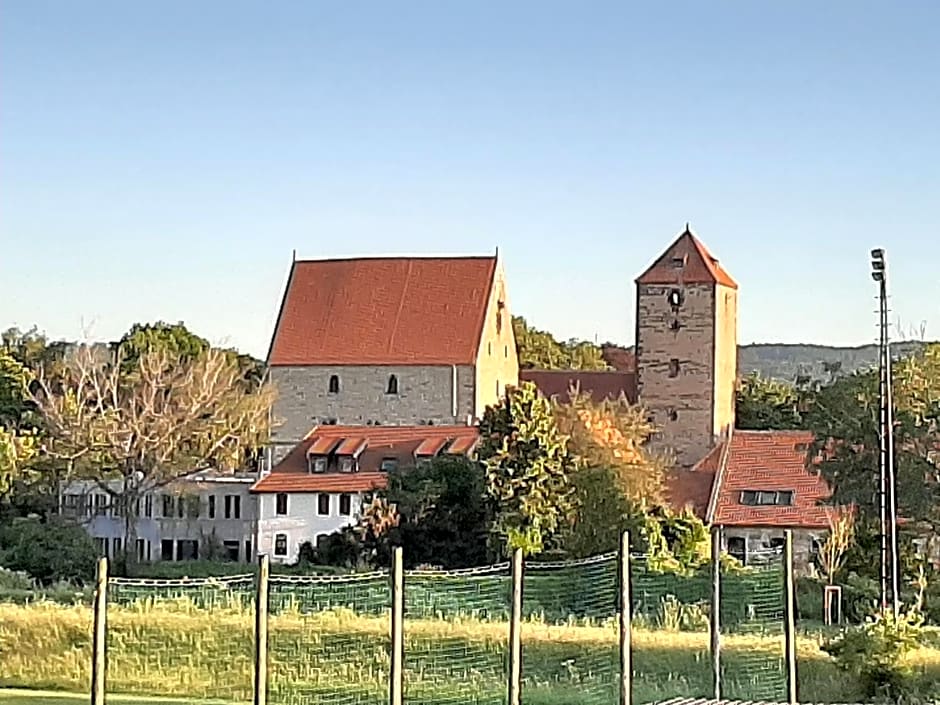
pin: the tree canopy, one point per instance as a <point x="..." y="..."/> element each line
<point x="763" y="403"/>
<point x="538" y="349"/>
<point x="526" y="462"/>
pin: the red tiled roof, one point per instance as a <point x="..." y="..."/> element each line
<point x="353" y="445"/>
<point x="380" y="442"/>
<point x="430" y="446"/>
<point x="770" y="460"/>
<point x="462" y="446"/>
<point x="620" y="358"/>
<point x="383" y="311"/>
<point x="323" y="445"/>
<point x="693" y="488"/>
<point x="600" y="385"/>
<point x="700" y="267"/>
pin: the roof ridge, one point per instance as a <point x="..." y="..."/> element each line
<point x="361" y="258"/>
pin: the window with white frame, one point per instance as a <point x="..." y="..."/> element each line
<point x="345" y="504"/>
<point x="323" y="504"/>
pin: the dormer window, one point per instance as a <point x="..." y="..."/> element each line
<point x="392" y="387"/>
<point x="388" y="464"/>
<point x="347" y="464"/>
<point x="767" y="498"/>
<point x="317" y="463"/>
<point x="334" y="384"/>
<point x="678" y="262"/>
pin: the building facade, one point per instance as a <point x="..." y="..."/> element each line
<point x="686" y="348"/>
<point x="204" y="516"/>
<point x="322" y="484"/>
<point x="390" y="341"/>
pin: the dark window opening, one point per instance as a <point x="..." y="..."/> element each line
<point x="280" y="545"/>
<point x="392" y="385"/>
<point x="737" y="548"/>
<point x="345" y="504"/>
<point x="193" y="506"/>
<point x="767" y="498"/>
<point x="321" y="540"/>
<point x="318" y="464"/>
<point x="247" y="550"/>
<point x="212" y="506"/>
<point x="231" y="550"/>
<point x="675" y="325"/>
<point x="506" y="351"/>
<point x="280" y="503"/>
<point x="181" y="507"/>
<point x="334" y="384"/>
<point x="674" y="367"/>
<point x="673" y="415"/>
<point x="678" y="262"/>
<point x="388" y="464"/>
<point x="675" y="298"/>
<point x="166" y="550"/>
<point x="142" y="547"/>
<point x="346" y="464"/>
<point x="233" y="506"/>
<point x="167" y="505"/>
<point x="489" y="349"/>
<point x="323" y="504"/>
<point x="187" y="549"/>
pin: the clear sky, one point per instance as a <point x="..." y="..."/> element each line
<point x="161" y="160"/>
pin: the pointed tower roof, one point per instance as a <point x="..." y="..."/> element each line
<point x="688" y="261"/>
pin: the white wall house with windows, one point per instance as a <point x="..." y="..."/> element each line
<point x="288" y="519"/>
<point x="205" y="516"/>
<point x="321" y="485"/>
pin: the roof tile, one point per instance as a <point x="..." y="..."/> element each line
<point x="378" y="311"/>
<point x="699" y="267"/>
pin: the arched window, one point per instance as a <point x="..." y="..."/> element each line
<point x="334" y="384"/>
<point x="392" y="385"/>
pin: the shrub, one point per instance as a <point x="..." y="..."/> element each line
<point x="50" y="551"/>
<point x="877" y="652"/>
<point x="15" y="580"/>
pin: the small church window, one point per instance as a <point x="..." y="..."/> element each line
<point x="392" y="385"/>
<point x="674" y="367"/>
<point x="678" y="262"/>
<point x="675" y="298"/>
<point x="334" y="384"/>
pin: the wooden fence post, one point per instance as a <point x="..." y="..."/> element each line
<point x="99" y="640"/>
<point x="715" y="621"/>
<point x="626" y="607"/>
<point x="396" y="628"/>
<point x="261" y="631"/>
<point x="789" y="625"/>
<point x="515" y="630"/>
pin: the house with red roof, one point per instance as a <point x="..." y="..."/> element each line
<point x="390" y="341"/>
<point x="320" y="486"/>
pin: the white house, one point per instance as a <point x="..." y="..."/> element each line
<point x="206" y="515"/>
<point x="319" y="487"/>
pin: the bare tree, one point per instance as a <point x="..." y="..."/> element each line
<point x="841" y="534"/>
<point x="131" y="431"/>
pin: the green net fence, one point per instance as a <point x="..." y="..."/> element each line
<point x="183" y="638"/>
<point x="752" y="624"/>
<point x="671" y="638"/>
<point x="456" y="632"/>
<point x="570" y="633"/>
<point x="328" y="639"/>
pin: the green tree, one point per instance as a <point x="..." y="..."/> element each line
<point x="445" y="518"/>
<point x="844" y="417"/>
<point x="176" y="340"/>
<point x="132" y="432"/>
<point x="613" y="476"/>
<point x="538" y="349"/>
<point x="762" y="403"/>
<point x="526" y="462"/>
<point x="48" y="551"/>
<point x="14" y="390"/>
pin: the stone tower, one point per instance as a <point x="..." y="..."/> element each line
<point x="687" y="348"/>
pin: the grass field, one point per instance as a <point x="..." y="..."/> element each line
<point x="172" y="649"/>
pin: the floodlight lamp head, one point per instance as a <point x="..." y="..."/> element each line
<point x="878" y="265"/>
<point x="878" y="253"/>
<point x="878" y="276"/>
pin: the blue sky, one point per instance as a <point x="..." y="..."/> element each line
<point x="162" y="160"/>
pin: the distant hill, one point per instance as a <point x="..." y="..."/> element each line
<point x="788" y="361"/>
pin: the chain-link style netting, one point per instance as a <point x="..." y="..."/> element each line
<point x="570" y="634"/>
<point x="671" y="638"/>
<point x="456" y="636"/>
<point x="328" y="639"/>
<point x="752" y="625"/>
<point x="190" y="638"/>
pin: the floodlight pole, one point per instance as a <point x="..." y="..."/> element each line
<point x="890" y="563"/>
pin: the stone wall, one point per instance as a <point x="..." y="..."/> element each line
<point x="675" y="366"/>
<point x="497" y="361"/>
<point x="425" y="393"/>
<point x="760" y="539"/>
<point x="726" y="358"/>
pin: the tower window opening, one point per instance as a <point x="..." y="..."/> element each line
<point x="675" y="325"/>
<point x="674" y="367"/>
<point x="675" y="298"/>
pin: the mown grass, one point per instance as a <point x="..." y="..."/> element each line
<point x="173" y="648"/>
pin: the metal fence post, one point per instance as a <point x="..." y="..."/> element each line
<point x="261" y="631"/>
<point x="515" y="631"/>
<point x="396" y="628"/>
<point x="715" y="621"/>
<point x="99" y="645"/>
<point x="789" y="625"/>
<point x="626" y="606"/>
